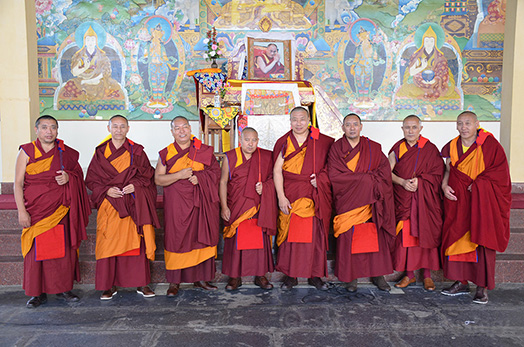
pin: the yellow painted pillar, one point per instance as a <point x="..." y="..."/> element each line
<point x="512" y="119"/>
<point x="19" y="104"/>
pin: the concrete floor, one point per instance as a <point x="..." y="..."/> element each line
<point x="254" y="317"/>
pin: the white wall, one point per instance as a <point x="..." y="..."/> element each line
<point x="387" y="133"/>
<point x="85" y="136"/>
<point x="154" y="136"/>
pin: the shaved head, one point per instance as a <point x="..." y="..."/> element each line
<point x="46" y="116"/>
<point x="177" y="118"/>
<point x="352" y="115"/>
<point x="117" y="116"/>
<point x="468" y="114"/>
<point x="412" y="117"/>
<point x="249" y="129"/>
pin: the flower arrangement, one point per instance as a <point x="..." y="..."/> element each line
<point x="213" y="48"/>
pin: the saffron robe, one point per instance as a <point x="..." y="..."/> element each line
<point x="304" y="259"/>
<point x="476" y="226"/>
<point x="49" y="205"/>
<point x="125" y="226"/>
<point x="422" y="209"/>
<point x="245" y="204"/>
<point x="362" y="193"/>
<point x="191" y="214"/>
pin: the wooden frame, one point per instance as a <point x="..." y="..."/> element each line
<point x="281" y="70"/>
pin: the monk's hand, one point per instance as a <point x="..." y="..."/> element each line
<point x="448" y="193"/>
<point x="114" y="192"/>
<point x="193" y="179"/>
<point x="258" y="188"/>
<point x="284" y="205"/>
<point x="313" y="180"/>
<point x="130" y="188"/>
<point x="185" y="173"/>
<point x="410" y="185"/>
<point x="225" y="213"/>
<point x="24" y="219"/>
<point x="469" y="187"/>
<point x="62" y="177"/>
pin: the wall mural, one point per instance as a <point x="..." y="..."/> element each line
<point x="382" y="59"/>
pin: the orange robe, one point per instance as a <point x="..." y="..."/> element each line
<point x="59" y="216"/>
<point x="476" y="226"/>
<point x="125" y="226"/>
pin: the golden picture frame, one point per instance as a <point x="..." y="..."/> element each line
<point x="262" y="59"/>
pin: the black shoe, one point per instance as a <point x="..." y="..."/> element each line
<point x="317" y="283"/>
<point x="352" y="286"/>
<point x="481" y="297"/>
<point x="381" y="283"/>
<point x="68" y="296"/>
<point x="36" y="301"/>
<point x="289" y="283"/>
<point x="456" y="288"/>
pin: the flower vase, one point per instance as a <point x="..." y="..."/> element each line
<point x="214" y="64"/>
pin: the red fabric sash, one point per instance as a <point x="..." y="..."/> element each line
<point x="365" y="238"/>
<point x="51" y="244"/>
<point x="130" y="253"/>
<point x="249" y="235"/>
<point x="470" y="257"/>
<point x="300" y="229"/>
<point x="408" y="240"/>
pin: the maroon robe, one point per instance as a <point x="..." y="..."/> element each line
<point x="241" y="197"/>
<point x="370" y="184"/>
<point x="307" y="259"/>
<point x="43" y="196"/>
<point x="484" y="211"/>
<point x="124" y="271"/>
<point x="422" y="208"/>
<point x="191" y="213"/>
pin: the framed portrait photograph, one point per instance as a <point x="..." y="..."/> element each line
<point x="268" y="59"/>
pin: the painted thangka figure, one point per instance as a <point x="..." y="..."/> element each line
<point x="90" y="84"/>
<point x="364" y="62"/>
<point x="432" y="71"/>
<point x="158" y="63"/>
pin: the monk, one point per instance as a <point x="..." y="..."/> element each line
<point x="416" y="169"/>
<point x="364" y="224"/>
<point x="121" y="178"/>
<point x="267" y="63"/>
<point x="249" y="210"/>
<point x="304" y="200"/>
<point x="477" y="190"/>
<point x="189" y="173"/>
<point x="53" y="208"/>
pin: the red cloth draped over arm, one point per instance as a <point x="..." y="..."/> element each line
<point x="298" y="185"/>
<point x="43" y="195"/>
<point x="485" y="210"/>
<point x="101" y="175"/>
<point x="369" y="184"/>
<point x="425" y="163"/>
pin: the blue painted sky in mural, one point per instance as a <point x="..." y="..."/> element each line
<point x="405" y="7"/>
